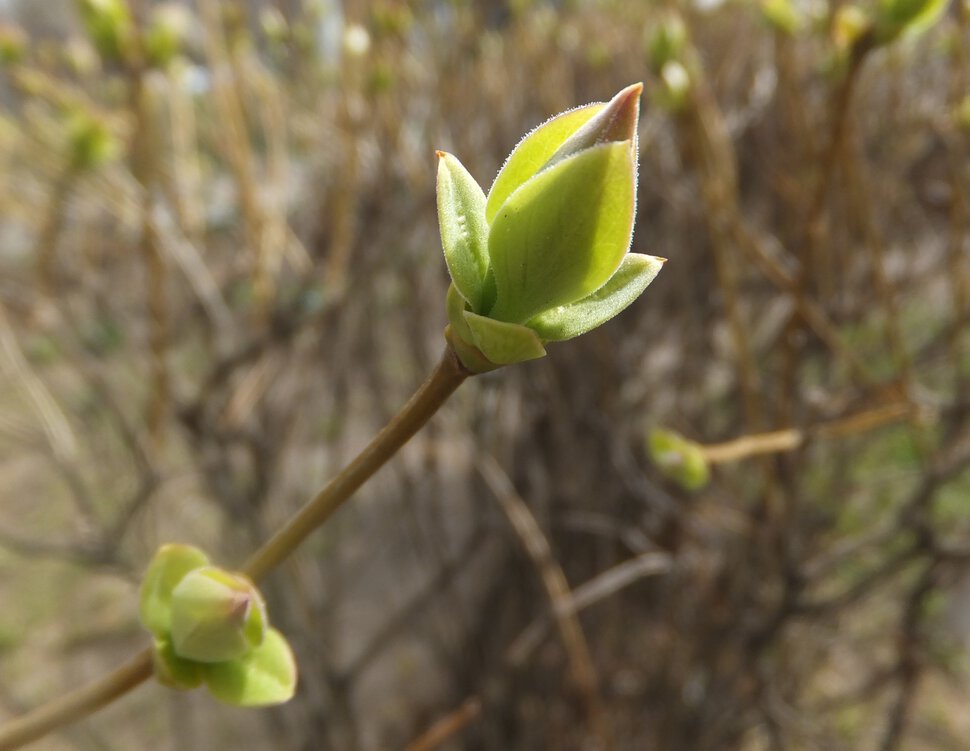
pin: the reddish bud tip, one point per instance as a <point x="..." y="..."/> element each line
<point x="617" y="121"/>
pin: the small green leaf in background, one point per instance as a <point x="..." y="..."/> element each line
<point x="265" y="676"/>
<point x="169" y="566"/>
<point x="568" y="321"/>
<point x="464" y="231"/>
<point x="680" y="459"/>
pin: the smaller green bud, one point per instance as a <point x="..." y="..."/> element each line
<point x="679" y="458"/>
<point x="216" y="616"/>
<point x="666" y="42"/>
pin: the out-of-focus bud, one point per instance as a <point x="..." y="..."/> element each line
<point x="895" y="18"/>
<point x="961" y="114"/>
<point x="167" y="33"/>
<point x="81" y="58"/>
<point x="274" y="25"/>
<point x="674" y="88"/>
<point x="849" y="27"/>
<point x="13" y="44"/>
<point x="680" y="459"/>
<point x="216" y="616"/>
<point x="391" y="19"/>
<point x="544" y="257"/>
<point x="356" y="40"/>
<point x="109" y="25"/>
<point x="666" y="42"/>
<point x="90" y="141"/>
<point x="781" y="16"/>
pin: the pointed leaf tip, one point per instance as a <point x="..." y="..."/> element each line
<point x="617" y="121"/>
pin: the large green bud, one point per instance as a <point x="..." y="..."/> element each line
<point x="544" y="256"/>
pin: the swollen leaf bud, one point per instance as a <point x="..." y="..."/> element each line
<point x="551" y="234"/>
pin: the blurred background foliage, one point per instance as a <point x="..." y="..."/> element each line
<point x="220" y="273"/>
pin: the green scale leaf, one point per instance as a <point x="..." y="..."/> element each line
<point x="568" y="321"/>
<point x="464" y="231"/>
<point x="266" y="675"/>
<point x="169" y="566"/>
<point x="503" y="343"/>
<point x="562" y="234"/>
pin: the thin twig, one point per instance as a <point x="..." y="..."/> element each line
<point x="448" y="726"/>
<point x="557" y="588"/>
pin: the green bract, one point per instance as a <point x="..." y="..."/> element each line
<point x="544" y="257"/>
<point x="210" y="626"/>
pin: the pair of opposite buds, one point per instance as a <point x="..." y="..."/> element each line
<point x="544" y="257"/>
